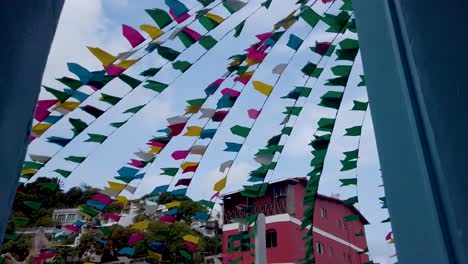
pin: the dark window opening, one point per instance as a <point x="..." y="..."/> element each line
<point x="271" y="238"/>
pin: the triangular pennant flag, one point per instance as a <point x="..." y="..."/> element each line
<point x="184" y="182"/>
<point x="240" y="131"/>
<point x="159" y="16"/>
<point x="193" y="131"/>
<point x="116" y="186"/>
<point x="132" y="35"/>
<point x="152" y="31"/>
<point x="70" y="82"/>
<point x="262" y="87"/>
<point x="238" y="29"/>
<point x="96" y="138"/>
<point x="219" y="185"/>
<point x="359" y="106"/>
<point x="169" y="171"/>
<point x="207" y="42"/>
<point x="279" y="69"/>
<point x="96" y="112"/>
<point x="134" y="110"/>
<point x="232" y="147"/>
<point x="177" y="7"/>
<point x="160" y="189"/>
<point x="353" y="131"/>
<point x="130" y="81"/>
<point x="105" y="58"/>
<point x="64" y="173"/>
<point x="225" y="165"/>
<point x="109" y="99"/>
<point x="34" y="205"/>
<point x="294" y="42"/>
<point x="155" y="86"/>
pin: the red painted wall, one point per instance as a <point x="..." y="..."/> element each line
<point x="290" y="246"/>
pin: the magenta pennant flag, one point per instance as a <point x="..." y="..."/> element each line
<point x="264" y="36"/>
<point x="137" y="163"/>
<point x="72" y="228"/>
<point x="214" y="196"/>
<point x="190" y="169"/>
<point x="195" y="35"/>
<point x="254" y="47"/>
<point x="99" y="197"/>
<point x="180" y="154"/>
<point x="190" y="246"/>
<point x="46" y="103"/>
<point x="231" y="92"/>
<point x="256" y="55"/>
<point x="135" y="238"/>
<point x="113" y="70"/>
<point x="219" y="115"/>
<point x="45" y="255"/>
<point x="41" y="114"/>
<point x="253" y="113"/>
<point x="322" y="47"/>
<point x="114" y="217"/>
<point x="31" y="138"/>
<point x="180" y="19"/>
<point x="133" y="36"/>
<point x="167" y="219"/>
<point x="155" y="144"/>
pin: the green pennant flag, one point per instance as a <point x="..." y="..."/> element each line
<point x="347" y="5"/>
<point x="363" y="81"/>
<point x="89" y="211"/>
<point x="130" y="81"/>
<point x="64" y="173"/>
<point x="386" y="220"/>
<point x="205" y="2"/>
<point x="310" y="16"/>
<point x="361" y="233"/>
<point x="349" y="49"/>
<point x="337" y="23"/>
<point x="186" y="40"/>
<point x="208" y="23"/>
<point x="309" y="69"/>
<point x="71" y="83"/>
<point x="198" y="101"/>
<point x="346" y="182"/>
<point x="118" y="124"/>
<point x="321" y="142"/>
<point x="319" y="157"/>
<point x="168" y="53"/>
<point x="109" y="99"/>
<point x="351" y="218"/>
<point x="161" y="17"/>
<point x="240" y="131"/>
<point x="105" y="231"/>
<point x="384" y="202"/>
<point x="97" y="138"/>
<point x="75" y="159"/>
<point x="340" y="81"/>
<point x="155" y="86"/>
<point x="124" y="179"/>
<point x="20" y="221"/>
<point x="353" y="131"/>
<point x="181" y="65"/>
<point x="206" y="203"/>
<point x="348" y="165"/>
<point x="359" y="106"/>
<point x="331" y="99"/>
<point x="238" y="29"/>
<point x="237" y="260"/>
<point x="34" y="205"/>
<point x="350" y="201"/>
<point x="266" y="4"/>
<point x="207" y="42"/>
<point x="13" y="237"/>
<point x="286" y="131"/>
<point x="32" y="165"/>
<point x="134" y="110"/>
<point x="351" y="155"/>
<point x="94" y="111"/>
<point x="341" y="70"/>
<point x="61" y="96"/>
<point x="326" y="124"/>
<point x="304" y="91"/>
<point x="185" y="254"/>
<point x="150" y="72"/>
<point x="49" y="185"/>
<point x="78" y="125"/>
<point x="293" y="110"/>
<point x="169" y="171"/>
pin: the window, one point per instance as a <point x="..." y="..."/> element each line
<point x="323" y="213"/>
<point x="319" y="248"/>
<point x="271" y="238"/>
<point x="71" y="217"/>
<point x="330" y="251"/>
<point x="61" y="218"/>
<point x="279" y="191"/>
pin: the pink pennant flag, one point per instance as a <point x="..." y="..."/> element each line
<point x="264" y="36"/>
<point x="180" y="154"/>
<point x="137" y="163"/>
<point x="256" y="55"/>
<point x="114" y="70"/>
<point x="41" y="113"/>
<point x="253" y="113"/>
<point x="46" y="103"/>
<point x="231" y="92"/>
<point x="190" y="169"/>
<point x="99" y="197"/>
<point x="45" y="255"/>
<point x="155" y="144"/>
<point x="72" y="228"/>
<point x="389" y="236"/>
<point x="180" y="19"/>
<point x="190" y="246"/>
<point x="167" y="219"/>
<point x="135" y="237"/>
<point x="114" y="217"/>
<point x="132" y="35"/>
<point x="214" y="196"/>
<point x="31" y="138"/>
<point x="254" y="47"/>
<point x="243" y="80"/>
<point x="195" y="35"/>
<point x="218" y="82"/>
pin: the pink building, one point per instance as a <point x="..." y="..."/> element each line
<point x="334" y="239"/>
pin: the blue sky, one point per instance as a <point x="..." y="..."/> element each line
<point x="98" y="23"/>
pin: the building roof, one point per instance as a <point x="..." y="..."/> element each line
<point x="321" y="196"/>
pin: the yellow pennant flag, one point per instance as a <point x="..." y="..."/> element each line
<point x="191" y="239"/>
<point x="262" y="87"/>
<point x="153" y="31"/>
<point x="187" y="164"/>
<point x="116" y="186"/>
<point x="122" y="199"/>
<point x="28" y="171"/>
<point x="105" y="58"/>
<point x="235" y="63"/>
<point x="286" y="25"/>
<point x="193" y="131"/>
<point x="154" y="256"/>
<point x="126" y="63"/>
<point x="192" y="109"/>
<point x="70" y="106"/>
<point x="155" y="149"/>
<point x="219" y="186"/>
<point x="141" y="225"/>
<point x="251" y="62"/>
<point x="173" y="204"/>
<point x="215" y="18"/>
<point x="40" y="128"/>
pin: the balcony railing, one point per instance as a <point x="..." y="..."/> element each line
<point x="274" y="207"/>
